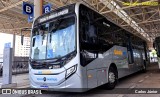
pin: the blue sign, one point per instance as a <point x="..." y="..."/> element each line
<point x="30" y="18"/>
<point x="28" y="9"/>
<point x="7" y="45"/>
<point x="47" y="8"/>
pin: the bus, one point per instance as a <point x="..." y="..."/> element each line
<point x="74" y="48"/>
<point x="156" y="45"/>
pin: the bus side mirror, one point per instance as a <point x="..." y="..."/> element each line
<point x="33" y="44"/>
<point x="22" y="38"/>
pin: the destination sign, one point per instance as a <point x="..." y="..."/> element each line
<point x="66" y="10"/>
<point x="54" y="15"/>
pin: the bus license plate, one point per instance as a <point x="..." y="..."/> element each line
<point x="44" y="86"/>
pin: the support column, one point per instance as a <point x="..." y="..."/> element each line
<point x="7" y="67"/>
<point x="13" y="47"/>
<point x="8" y="62"/>
<point x="38" y="8"/>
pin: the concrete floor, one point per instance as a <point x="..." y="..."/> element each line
<point x="22" y="80"/>
<point x="150" y="79"/>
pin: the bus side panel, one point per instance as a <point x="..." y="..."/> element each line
<point x="96" y="76"/>
<point x="102" y="76"/>
<point x="92" y="78"/>
<point x="120" y="58"/>
<point x="132" y="68"/>
<point x="138" y="59"/>
<point x="97" y="70"/>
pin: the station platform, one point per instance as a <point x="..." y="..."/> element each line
<point x="22" y="80"/>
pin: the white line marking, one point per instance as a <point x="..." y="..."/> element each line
<point x="141" y="81"/>
<point x="132" y="87"/>
<point x="120" y="96"/>
<point x="146" y="76"/>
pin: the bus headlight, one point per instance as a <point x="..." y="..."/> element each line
<point x="71" y="71"/>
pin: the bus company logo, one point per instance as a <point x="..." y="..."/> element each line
<point x="44" y="72"/>
<point x="47" y="79"/>
<point x="44" y="79"/>
<point x="39" y="72"/>
<point x="117" y="52"/>
<point x="6" y="91"/>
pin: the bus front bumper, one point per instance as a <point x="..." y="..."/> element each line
<point x="72" y="84"/>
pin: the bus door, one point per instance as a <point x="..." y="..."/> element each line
<point x="145" y="53"/>
<point x="130" y="51"/>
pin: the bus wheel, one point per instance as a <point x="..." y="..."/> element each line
<point x="112" y="78"/>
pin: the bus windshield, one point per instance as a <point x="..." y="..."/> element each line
<point x="54" y="40"/>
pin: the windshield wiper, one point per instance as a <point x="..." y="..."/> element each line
<point x="57" y="24"/>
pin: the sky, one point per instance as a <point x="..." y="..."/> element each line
<point x="5" y="38"/>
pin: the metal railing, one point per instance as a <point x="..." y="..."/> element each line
<point x="18" y="67"/>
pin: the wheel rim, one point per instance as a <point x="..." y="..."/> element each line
<point x="112" y="77"/>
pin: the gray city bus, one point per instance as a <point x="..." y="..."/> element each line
<point x="74" y="48"/>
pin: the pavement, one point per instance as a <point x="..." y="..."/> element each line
<point x="22" y="80"/>
<point x="142" y="81"/>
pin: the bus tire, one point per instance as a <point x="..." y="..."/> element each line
<point x="112" y="78"/>
<point x="144" y="67"/>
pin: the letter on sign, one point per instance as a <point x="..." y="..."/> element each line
<point x="47" y="8"/>
<point x="27" y="8"/>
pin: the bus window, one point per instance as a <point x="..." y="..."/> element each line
<point x="39" y="42"/>
<point x="91" y="33"/>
